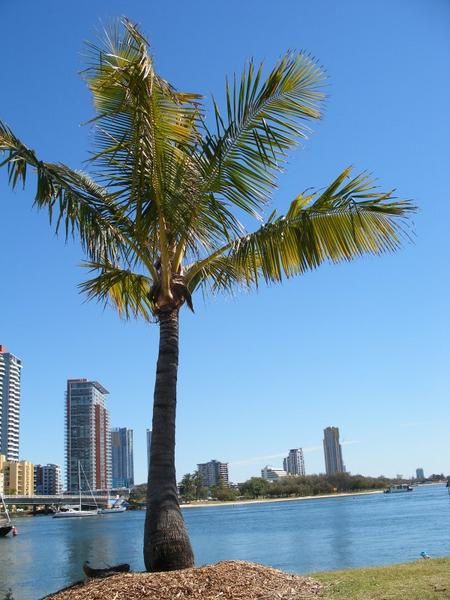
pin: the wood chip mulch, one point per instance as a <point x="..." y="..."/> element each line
<point x="227" y="580"/>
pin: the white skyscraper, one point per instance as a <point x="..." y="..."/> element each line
<point x="294" y="463"/>
<point x="10" y="372"/>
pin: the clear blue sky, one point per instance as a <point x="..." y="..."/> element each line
<point x="363" y="346"/>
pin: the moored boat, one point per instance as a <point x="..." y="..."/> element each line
<point x="112" y="510"/>
<point x="401" y="487"/>
<point x="5" y="522"/>
<point x="117" y="506"/>
<point x="5" y="527"/>
<point x="77" y="511"/>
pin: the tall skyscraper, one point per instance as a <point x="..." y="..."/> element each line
<point x="420" y="474"/>
<point x="333" y="451"/>
<point x="213" y="472"/>
<point x="294" y="463"/>
<point x="122" y="457"/>
<point x="149" y="444"/>
<point x="88" y="437"/>
<point x="10" y="372"/>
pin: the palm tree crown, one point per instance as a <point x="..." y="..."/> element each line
<point x="162" y="213"/>
<point x="159" y="218"/>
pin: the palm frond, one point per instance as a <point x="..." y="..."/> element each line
<point x="144" y="131"/>
<point x="348" y="219"/>
<point x="263" y="121"/>
<point x="73" y="200"/>
<point x="128" y="292"/>
<point x="142" y="122"/>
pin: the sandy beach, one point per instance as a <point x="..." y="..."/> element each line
<point x="272" y="500"/>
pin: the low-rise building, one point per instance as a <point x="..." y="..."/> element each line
<point x="47" y="479"/>
<point x="213" y="472"/>
<point x="18" y="477"/>
<point x="272" y="474"/>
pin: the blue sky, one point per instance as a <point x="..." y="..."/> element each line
<point x="363" y="346"/>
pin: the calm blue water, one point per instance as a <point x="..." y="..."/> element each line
<point x="298" y="536"/>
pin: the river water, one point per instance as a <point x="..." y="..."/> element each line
<point x="297" y="536"/>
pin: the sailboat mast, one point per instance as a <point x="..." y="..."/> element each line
<point x="79" y="482"/>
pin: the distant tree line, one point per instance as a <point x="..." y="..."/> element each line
<point x="191" y="488"/>
<point x="311" y="485"/>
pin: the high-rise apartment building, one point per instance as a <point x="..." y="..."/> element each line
<point x="333" y="451"/>
<point x="10" y="373"/>
<point x="213" y="472"/>
<point x="294" y="463"/>
<point x="88" y="437"/>
<point x="420" y="474"/>
<point x="149" y="445"/>
<point x="47" y="480"/>
<point x="122" y="457"/>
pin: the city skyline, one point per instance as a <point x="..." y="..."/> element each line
<point x="295" y="457"/>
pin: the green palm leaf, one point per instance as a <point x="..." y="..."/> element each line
<point x="348" y="219"/>
<point x="264" y="120"/>
<point x="128" y="292"/>
<point x="73" y="200"/>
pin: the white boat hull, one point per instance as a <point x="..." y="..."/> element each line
<point x="75" y="514"/>
<point x="110" y="511"/>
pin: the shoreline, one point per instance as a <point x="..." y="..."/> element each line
<point x="273" y="500"/>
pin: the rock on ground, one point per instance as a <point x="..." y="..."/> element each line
<point x="227" y="580"/>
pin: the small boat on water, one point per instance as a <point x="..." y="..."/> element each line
<point x="112" y="509"/>
<point x="117" y="506"/>
<point x="401" y="487"/>
<point x="5" y="522"/>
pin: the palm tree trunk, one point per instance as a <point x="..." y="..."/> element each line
<point x="166" y="542"/>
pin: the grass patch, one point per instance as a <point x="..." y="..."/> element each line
<point x="420" y="580"/>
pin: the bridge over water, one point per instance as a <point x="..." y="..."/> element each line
<point x="41" y="500"/>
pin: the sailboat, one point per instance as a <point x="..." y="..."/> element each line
<point x="5" y="522"/>
<point x="77" y="512"/>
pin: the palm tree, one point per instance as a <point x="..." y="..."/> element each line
<point x="167" y="210"/>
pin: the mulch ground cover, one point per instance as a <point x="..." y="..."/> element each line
<point x="228" y="580"/>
